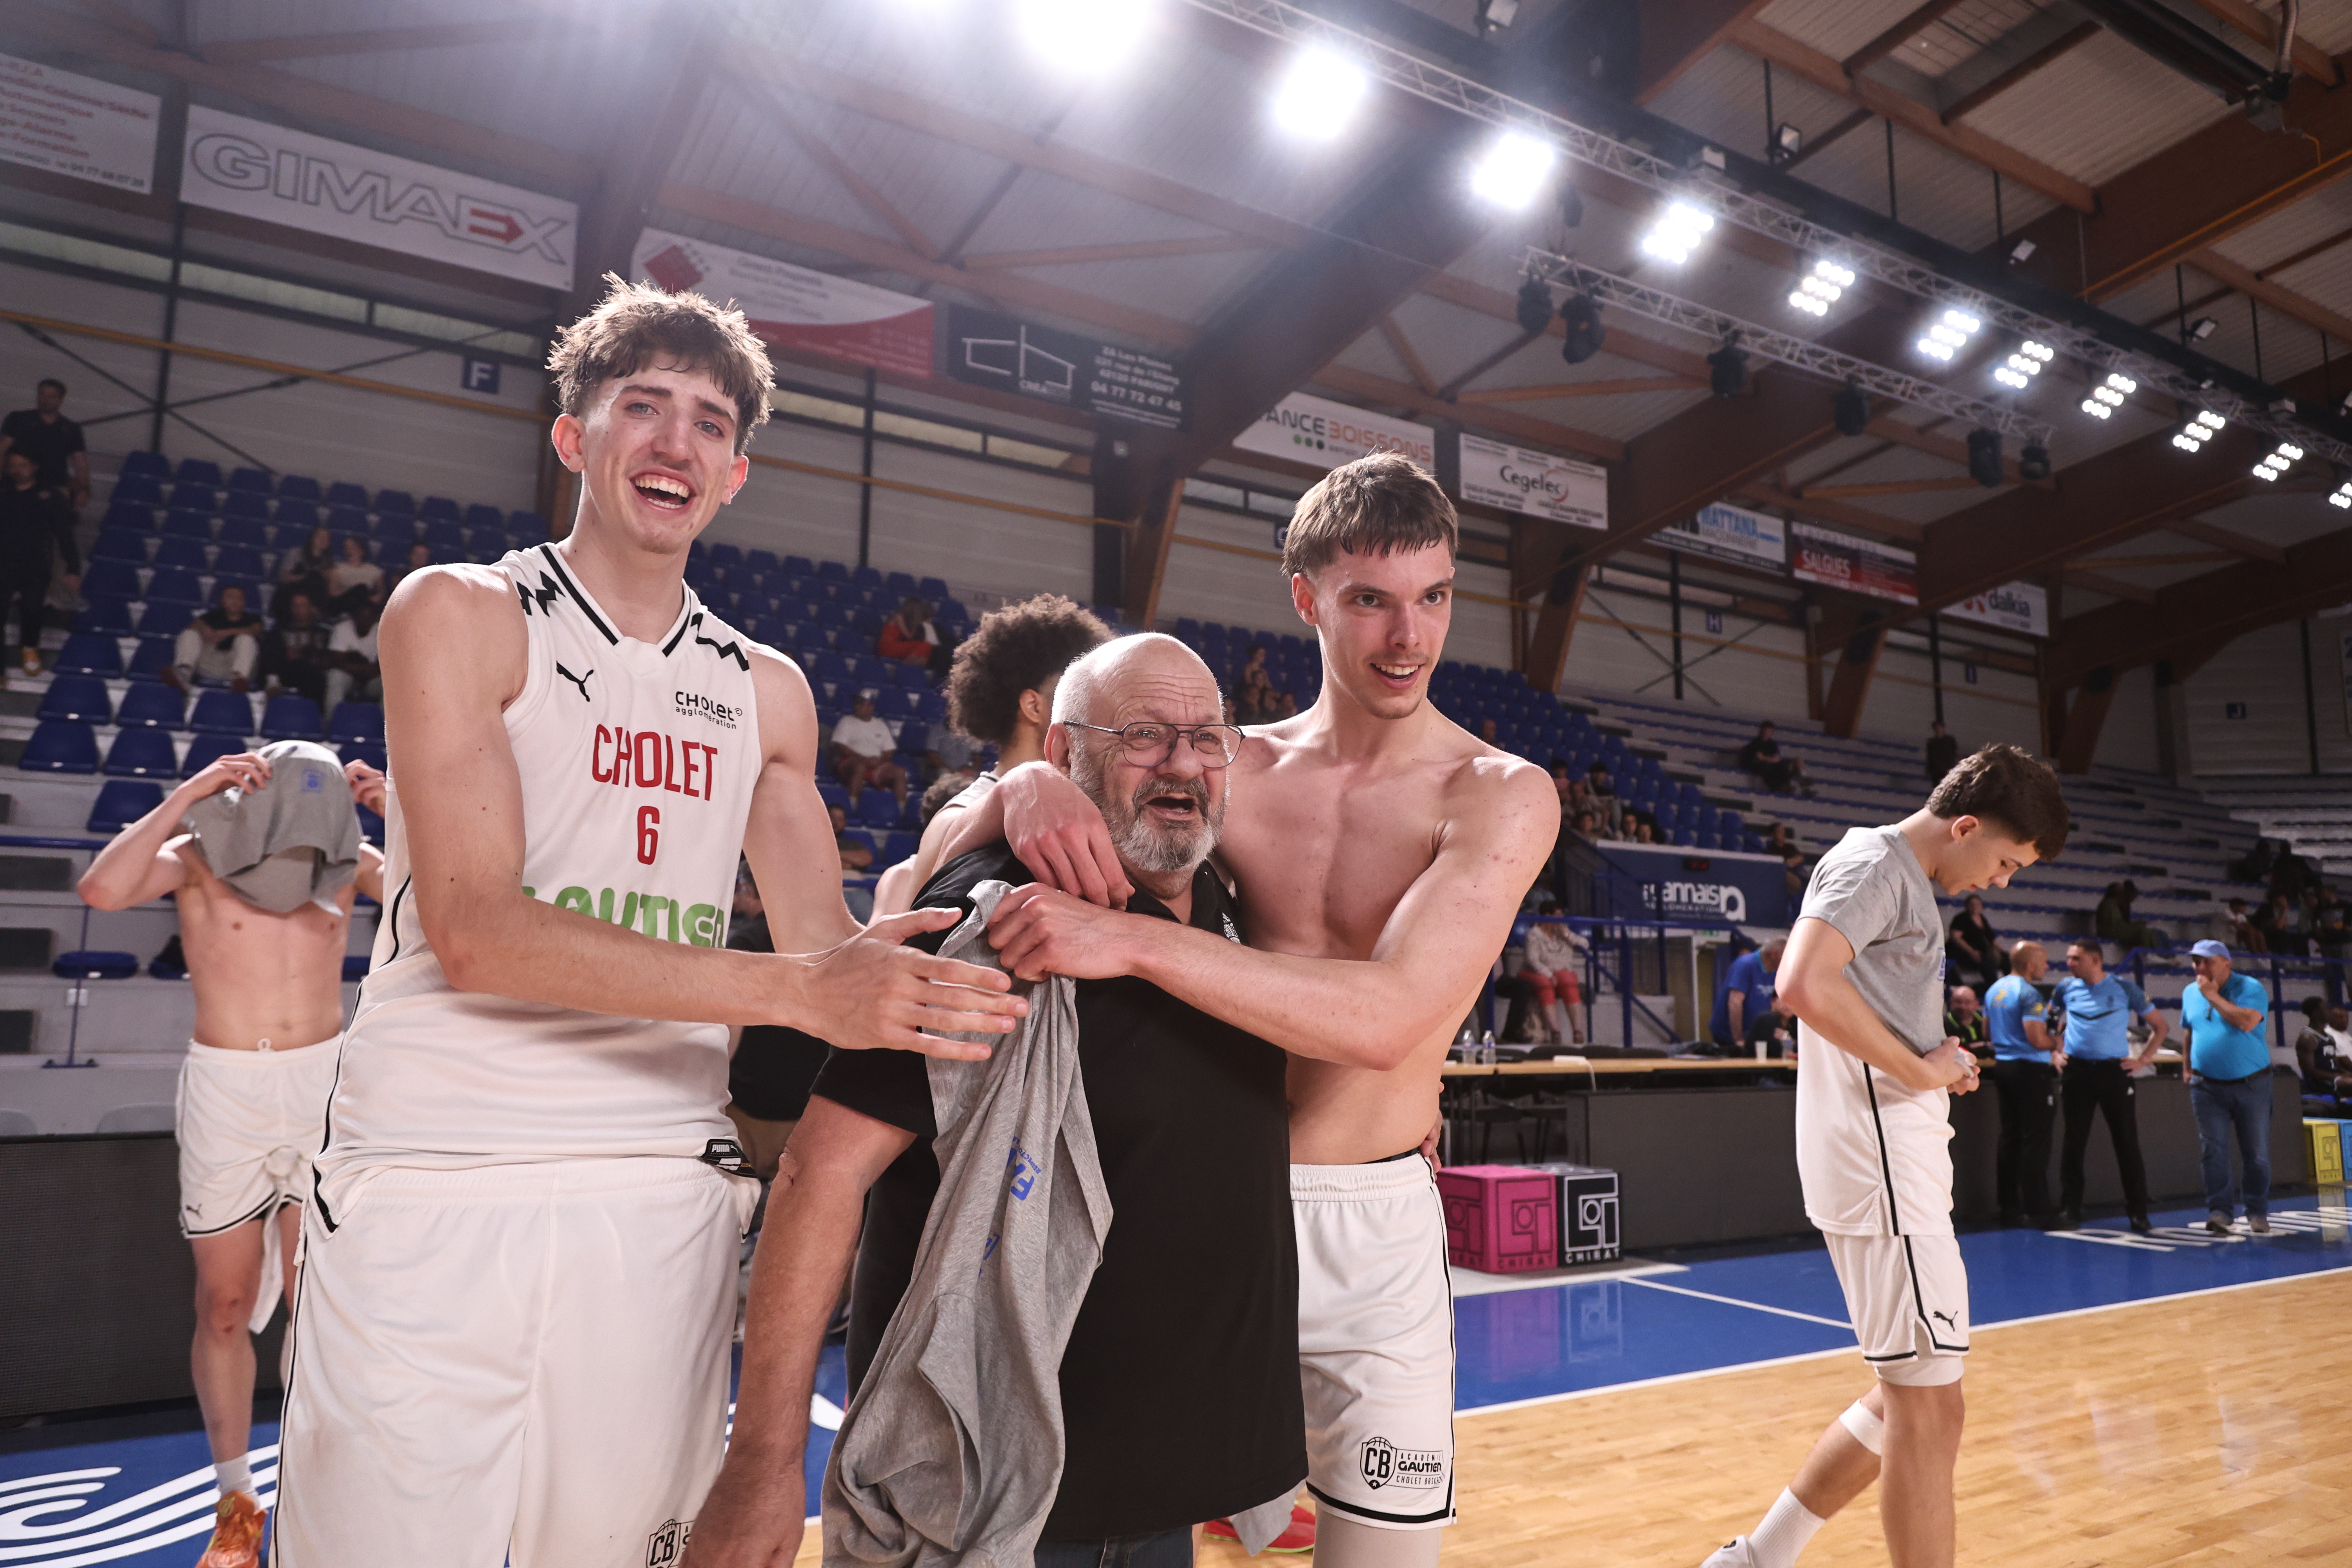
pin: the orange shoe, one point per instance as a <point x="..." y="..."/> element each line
<point x="236" y="1534"/>
<point x="1299" y="1537"/>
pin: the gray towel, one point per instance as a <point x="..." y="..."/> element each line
<point x="294" y="841"/>
<point x="952" y="1450"/>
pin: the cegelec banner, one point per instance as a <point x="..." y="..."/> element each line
<point x="258" y="170"/>
<point x="2014" y="607"/>
<point x="1536" y="484"/>
<point x="1857" y="566"/>
<point x="77" y="125"/>
<point x="1316" y="430"/>
<point x="795" y="306"/>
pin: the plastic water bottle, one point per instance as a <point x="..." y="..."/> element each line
<point x="1486" y="1049"/>
<point x="1465" y="1047"/>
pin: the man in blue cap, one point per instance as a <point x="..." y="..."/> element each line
<point x="2224" y="1016"/>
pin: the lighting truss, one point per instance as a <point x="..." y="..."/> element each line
<point x="1702" y="186"/>
<point x="1672" y="311"/>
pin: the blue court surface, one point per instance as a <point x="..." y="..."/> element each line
<point x="83" y="1493"/>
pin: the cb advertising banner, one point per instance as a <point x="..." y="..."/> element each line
<point x="1731" y="533"/>
<point x="1324" y="434"/>
<point x="1008" y="355"/>
<point x="1857" y="566"/>
<point x="77" y="125"/>
<point x="2012" y="607"/>
<point x="794" y="307"/>
<point x="1516" y="478"/>
<point x="250" y="167"/>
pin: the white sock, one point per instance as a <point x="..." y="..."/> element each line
<point x="1786" y="1529"/>
<point x="233" y="1475"/>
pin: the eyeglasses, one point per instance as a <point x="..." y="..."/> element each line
<point x="1151" y="744"/>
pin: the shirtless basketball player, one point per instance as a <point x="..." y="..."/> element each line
<point x="518" y="1284"/>
<point x="253" y="1095"/>
<point x="1381" y="852"/>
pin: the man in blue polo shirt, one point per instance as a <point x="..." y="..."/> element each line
<point x="2025" y="1063"/>
<point x="2093" y="1010"/>
<point x="2225" y="1016"/>
<point x="1746" y="993"/>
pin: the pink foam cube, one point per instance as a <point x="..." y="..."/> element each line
<point x="1501" y="1219"/>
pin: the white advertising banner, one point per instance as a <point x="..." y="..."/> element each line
<point x="795" y="306"/>
<point x="1731" y="533"/>
<point x="248" y="166"/>
<point x="2014" y="607"/>
<point x="1516" y="478"/>
<point x="1858" y="565"/>
<point x="1317" y="431"/>
<point x="77" y="125"/>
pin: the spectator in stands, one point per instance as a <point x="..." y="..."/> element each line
<point x="2280" y="924"/>
<point x="34" y="524"/>
<point x="908" y="635"/>
<point x="1780" y="840"/>
<point x="1971" y="947"/>
<point x="1793" y="868"/>
<point x="2226" y="1017"/>
<point x="304" y="568"/>
<point x="1553" y="952"/>
<point x="1747" y="991"/>
<point x="1589" y="829"/>
<point x="1943" y="751"/>
<point x="856" y="860"/>
<point x="294" y="654"/>
<point x="2026" y="1062"/>
<point x="2092" y="1011"/>
<point x="223" y="643"/>
<point x="2238" y="929"/>
<point x="353" y="579"/>
<point x="2324" y="1050"/>
<point x="351" y="668"/>
<point x="1604" y="797"/>
<point x="1772" y="1033"/>
<point x="1490" y="730"/>
<point x="54" y="443"/>
<point x="2113" y="921"/>
<point x="420" y="555"/>
<point x="862" y="748"/>
<point x="1644" y="829"/>
<point x="1963" y="1019"/>
<point x="1761" y="756"/>
<point x="2331" y="927"/>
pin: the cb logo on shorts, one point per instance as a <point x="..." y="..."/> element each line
<point x="1382" y="1462"/>
<point x="667" y="1545"/>
<point x="1379" y="1466"/>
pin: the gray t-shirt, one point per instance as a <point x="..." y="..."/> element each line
<point x="1872" y="888"/>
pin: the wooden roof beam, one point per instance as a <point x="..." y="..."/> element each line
<point x="2308" y="57"/>
<point x="381" y="40"/>
<point x="2048" y="55"/>
<point x="1907" y="27"/>
<point x="1678" y="34"/>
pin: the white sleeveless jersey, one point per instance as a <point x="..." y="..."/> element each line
<point x="637" y="761"/>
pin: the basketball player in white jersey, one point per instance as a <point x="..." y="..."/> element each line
<point x="1864" y="973"/>
<point x="512" y="1333"/>
<point x="1381" y="852"/>
<point x="253" y="1094"/>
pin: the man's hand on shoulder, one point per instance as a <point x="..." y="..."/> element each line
<point x="1038" y="932"/>
<point x="1053" y="827"/>
<point x="872" y="992"/>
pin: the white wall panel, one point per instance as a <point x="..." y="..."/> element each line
<point x="2262" y="672"/>
<point x="976" y="546"/>
<point x="89" y="396"/>
<point x="2127" y="740"/>
<point x="794" y="513"/>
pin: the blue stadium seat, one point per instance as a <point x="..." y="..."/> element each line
<point x="896" y="846"/>
<point x="900" y="584"/>
<point x="290" y="717"/>
<point x="141" y="754"/>
<point x="445" y="534"/>
<point x="245" y="533"/>
<point x="143" y="461"/>
<point x="828" y="570"/>
<point x="914" y="736"/>
<point x="432" y="506"/>
<point x="296" y="514"/>
<point x="174" y="588"/>
<point x="182" y="554"/>
<point x="150" y="704"/>
<point x="931" y="707"/>
<point x="90" y="653"/>
<point x="896" y="702"/>
<point x="109" y="614"/>
<point x="355" y="722"/>
<point x="200" y="470"/>
<point x="150" y="660"/>
<point x="761" y="560"/>
<point x="875" y="808"/>
<point x="252" y="481"/>
<point x="206" y="750"/>
<point x="799" y="567"/>
<point x="368" y="751"/>
<point x="528" y="524"/>
<point x="370" y="825"/>
<point x="487" y="543"/>
<point x="346" y="519"/>
<point x="245" y="505"/>
<point x="126" y="515"/>
<point x="870" y="669"/>
<point x="116" y="543"/>
<point x="866" y="577"/>
<point x="137" y="490"/>
<point x="296" y="486"/>
<point x="202" y="500"/>
<point x="914" y="677"/>
<point x="342" y="492"/>
<point x="239" y="561"/>
<point x="121" y="803"/>
<point x="724" y="555"/>
<point x="222" y="713"/>
<point x="195" y="525"/>
<point x="95" y="963"/>
<point x="60" y="746"/>
<point x="481" y="516"/>
<point x="738" y="579"/>
<point x="110" y="579"/>
<point x="831" y="792"/>
<point x="934" y="591"/>
<point x="79" y="697"/>
<point x="400" y="500"/>
<point x="863" y="836"/>
<point x="355" y="967"/>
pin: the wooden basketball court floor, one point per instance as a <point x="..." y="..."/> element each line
<point x="2179" y="1399"/>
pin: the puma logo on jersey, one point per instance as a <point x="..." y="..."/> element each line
<point x="579" y="680"/>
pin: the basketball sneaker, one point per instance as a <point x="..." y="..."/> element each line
<point x="236" y="1534"/>
<point x="1736" y="1553"/>
<point x="1298" y="1537"/>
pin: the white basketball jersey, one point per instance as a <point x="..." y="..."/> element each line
<point x="637" y="761"/>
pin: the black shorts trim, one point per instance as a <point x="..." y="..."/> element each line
<point x="1443" y="1512"/>
<point x="1885" y="1167"/>
<point x="1919" y="1300"/>
<point x="1898" y="1355"/>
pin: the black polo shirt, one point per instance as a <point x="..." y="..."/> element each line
<point x="48" y="442"/>
<point x="1180" y="1385"/>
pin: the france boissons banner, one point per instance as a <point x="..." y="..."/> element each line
<point x="257" y="170"/>
<point x="1857" y="566"/>
<point x="794" y="307"/>
<point x="1321" y="432"/>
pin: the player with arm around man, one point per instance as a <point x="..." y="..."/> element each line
<point x="1864" y="973"/>
<point x="513" y="1335"/>
<point x="1380" y="853"/>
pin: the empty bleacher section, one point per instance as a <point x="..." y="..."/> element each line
<point x="2312" y="815"/>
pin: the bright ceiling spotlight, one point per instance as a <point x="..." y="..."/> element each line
<point x="1949" y="334"/>
<point x="2024" y="364"/>
<point x="2192" y="436"/>
<point x="2278" y="462"/>
<point x="2341" y="496"/>
<point x="1512" y="173"/>
<point x="1677" y="232"/>
<point x="1083" y="36"/>
<point x="1820" y="288"/>
<point x="1319" y="94"/>
<point x="2108" y="396"/>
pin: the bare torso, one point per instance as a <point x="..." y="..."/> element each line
<point x="1322" y="848"/>
<point x="260" y="978"/>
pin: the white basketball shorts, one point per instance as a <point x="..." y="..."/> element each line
<point x="248" y="1123"/>
<point x="521" y="1364"/>
<point x="1908" y="1296"/>
<point x="1376" y="1342"/>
